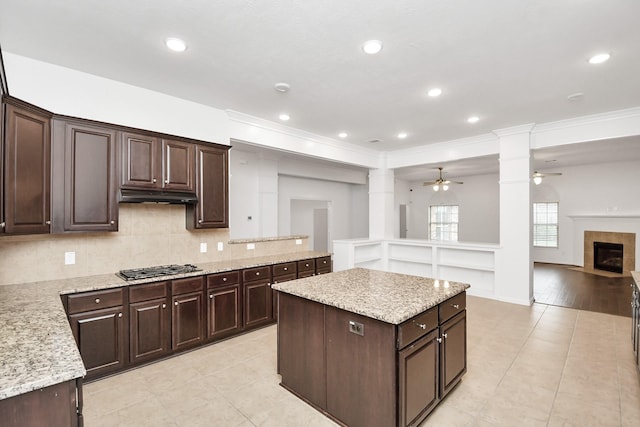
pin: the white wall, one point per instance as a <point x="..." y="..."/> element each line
<point x="342" y="213"/>
<point x="65" y="91"/>
<point x="302" y="218"/>
<point x="479" y="203"/>
<point x="607" y="192"/>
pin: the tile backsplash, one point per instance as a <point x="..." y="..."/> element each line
<point x="149" y="234"/>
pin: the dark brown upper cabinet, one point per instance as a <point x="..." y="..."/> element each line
<point x="212" y="188"/>
<point x="85" y="167"/>
<point x="25" y="205"/>
<point x="149" y="162"/>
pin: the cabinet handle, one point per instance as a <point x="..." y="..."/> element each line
<point x="421" y="325"/>
<point x="175" y="303"/>
<point x="97" y="300"/>
<point x="224" y="279"/>
<point x="444" y="336"/>
<point x="164" y="305"/>
<point x="112" y="222"/>
<point x="48" y="222"/>
<point x="439" y="340"/>
<point x="155" y="180"/>
<point x="456" y="306"/>
<point x="306" y="265"/>
<point x="166" y="181"/>
<point x="119" y="314"/>
<point x="257" y="273"/>
<point x="285" y="269"/>
<point x="199" y="221"/>
<point x="210" y="296"/>
<point x="2" y="224"/>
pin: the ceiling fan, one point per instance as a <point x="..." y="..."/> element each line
<point x="440" y="183"/>
<point x="537" y="176"/>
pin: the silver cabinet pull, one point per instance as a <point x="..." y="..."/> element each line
<point x="456" y="306"/>
<point x="199" y="221"/>
<point x="119" y="314"/>
<point x="285" y="269"/>
<point x="155" y="180"/>
<point x="224" y="279"/>
<point x="97" y="300"/>
<point x="164" y="305"/>
<point x="421" y="325"/>
<point x="210" y="296"/>
<point x="444" y="336"/>
<point x="48" y="222"/>
<point x="257" y="273"/>
<point x="439" y="340"/>
<point x="175" y="303"/>
<point x="112" y="222"/>
<point x="3" y="224"/>
<point x="166" y="181"/>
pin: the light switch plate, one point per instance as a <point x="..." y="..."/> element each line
<point x="69" y="258"/>
<point x="298" y="241"/>
<point x="203" y="247"/>
<point x="251" y="246"/>
<point x="220" y="246"/>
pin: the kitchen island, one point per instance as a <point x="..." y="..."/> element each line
<point x="371" y="348"/>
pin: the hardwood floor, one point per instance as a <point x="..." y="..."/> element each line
<point x="556" y="284"/>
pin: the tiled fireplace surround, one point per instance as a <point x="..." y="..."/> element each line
<point x="628" y="240"/>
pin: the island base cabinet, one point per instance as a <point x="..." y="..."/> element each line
<point x="58" y="405"/>
<point x="418" y="374"/>
<point x="361" y="381"/>
<point x="453" y="352"/>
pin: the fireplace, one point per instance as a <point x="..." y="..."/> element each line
<point x="608" y="256"/>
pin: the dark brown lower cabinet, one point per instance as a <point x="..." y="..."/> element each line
<point x="224" y="309"/>
<point x="187" y="316"/>
<point x="418" y="379"/>
<point x="149" y="329"/>
<point x="101" y="338"/>
<point x="453" y="352"/>
<point x="59" y="405"/>
<point x="257" y="303"/>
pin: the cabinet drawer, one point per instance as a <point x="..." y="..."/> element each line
<point x="147" y="291"/>
<point x="306" y="268"/>
<point x="284" y="269"/>
<point x="219" y="279"/>
<point x="323" y="265"/>
<point x="94" y="300"/>
<point x="454" y="305"/>
<point x="184" y="286"/>
<point x="258" y="273"/>
<point x="417" y="326"/>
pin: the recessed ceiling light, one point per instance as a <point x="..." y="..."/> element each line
<point x="284" y="117"/>
<point x="343" y="135"/>
<point x="402" y="135"/>
<point x="436" y="91"/>
<point x="372" y="47"/>
<point x="175" y="44"/>
<point x="599" y="58"/>
<point x="282" y="87"/>
<point x="473" y="119"/>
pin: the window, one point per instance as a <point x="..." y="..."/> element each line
<point x="443" y="222"/>
<point x="545" y="225"/>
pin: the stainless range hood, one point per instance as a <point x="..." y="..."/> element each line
<point x="150" y="196"/>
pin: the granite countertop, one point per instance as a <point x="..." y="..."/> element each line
<point x="389" y="297"/>
<point x="636" y="277"/>
<point x="37" y="348"/>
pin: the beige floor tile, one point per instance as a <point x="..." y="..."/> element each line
<point x="216" y="412"/>
<point x="569" y="410"/>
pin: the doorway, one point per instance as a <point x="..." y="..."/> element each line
<point x="312" y="218"/>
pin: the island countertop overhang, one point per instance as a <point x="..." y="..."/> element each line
<point x="388" y="297"/>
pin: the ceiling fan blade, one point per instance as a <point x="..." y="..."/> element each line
<point x="430" y="183"/>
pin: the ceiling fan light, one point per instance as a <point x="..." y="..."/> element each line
<point x="436" y="187"/>
<point x="537" y="179"/>
<point x="445" y="187"/>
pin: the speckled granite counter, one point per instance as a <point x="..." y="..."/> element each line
<point x="390" y="297"/>
<point x="37" y="348"/>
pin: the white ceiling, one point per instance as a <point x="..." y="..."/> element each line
<point x="509" y="62"/>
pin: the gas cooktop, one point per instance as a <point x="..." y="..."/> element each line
<point x="157" y="271"/>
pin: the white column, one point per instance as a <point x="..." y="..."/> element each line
<point x="381" y="196"/>
<point x="514" y="266"/>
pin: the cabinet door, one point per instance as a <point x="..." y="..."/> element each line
<point x="186" y="320"/>
<point x="418" y="373"/>
<point x="148" y="329"/>
<point x="141" y="161"/>
<point x="27" y="172"/>
<point x="90" y="199"/>
<point x="453" y="352"/>
<point x="100" y="335"/>
<point x="224" y="311"/>
<point x="257" y="303"/>
<point x="212" y="210"/>
<point x="178" y="168"/>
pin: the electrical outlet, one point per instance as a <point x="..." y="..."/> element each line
<point x="203" y="247"/>
<point x="356" y="328"/>
<point x="251" y="246"/>
<point x="220" y="246"/>
<point x="69" y="258"/>
<point x="298" y="241"/>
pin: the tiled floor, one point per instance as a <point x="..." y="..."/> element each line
<point x="527" y="366"/>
